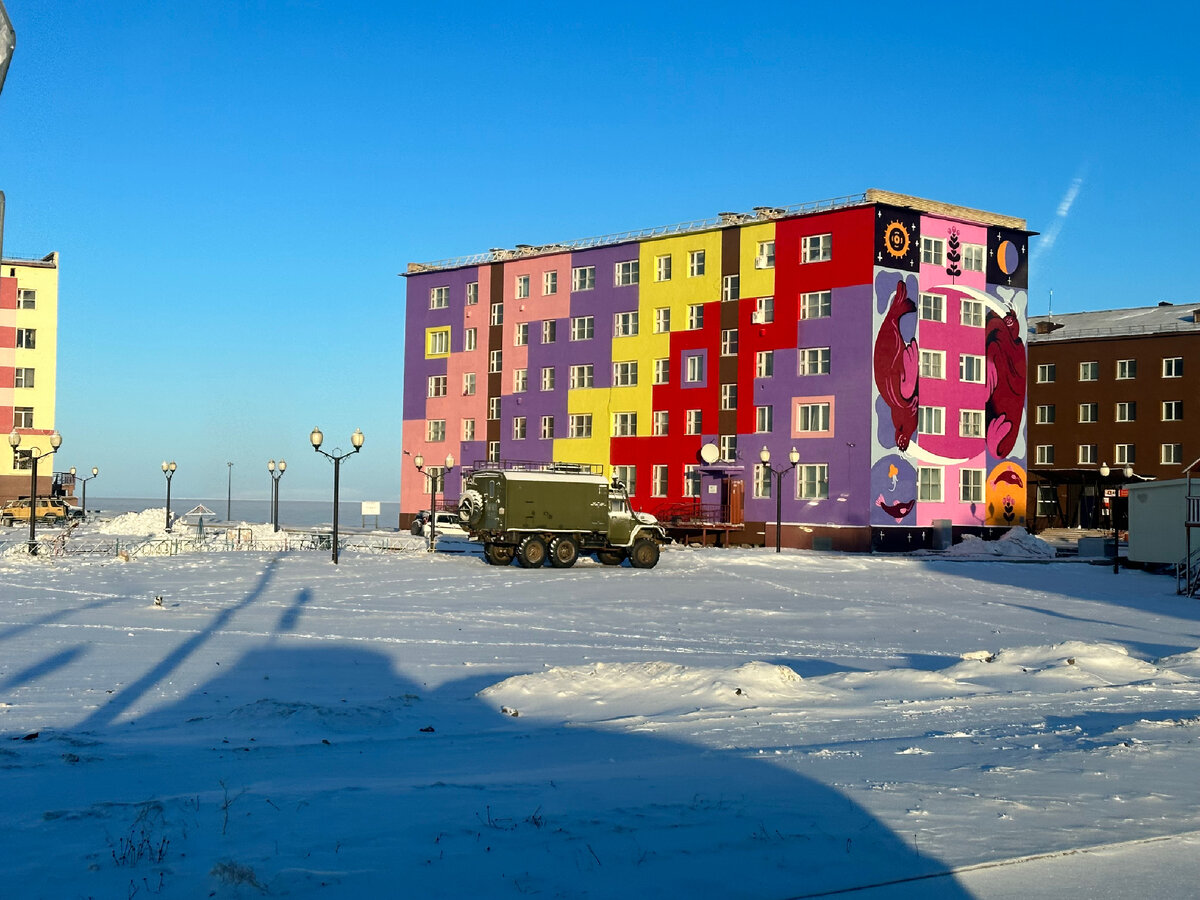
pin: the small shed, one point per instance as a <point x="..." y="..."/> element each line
<point x="195" y="518"/>
<point x="1157" y="512"/>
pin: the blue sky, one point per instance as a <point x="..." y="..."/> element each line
<point x="234" y="187"/>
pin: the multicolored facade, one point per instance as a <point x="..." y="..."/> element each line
<point x="28" y="366"/>
<point x="880" y="335"/>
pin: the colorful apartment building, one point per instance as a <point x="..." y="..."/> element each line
<point x="880" y="335"/>
<point x="28" y="367"/>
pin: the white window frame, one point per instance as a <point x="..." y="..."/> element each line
<point x="24" y="377"/>
<point x="583" y="328"/>
<point x="583" y="278"/>
<point x="468" y="429"/>
<point x="764" y="419"/>
<point x="660" y="483"/>
<point x="625" y="324"/>
<point x="624" y="424"/>
<point x="496" y="314"/>
<point x="1087" y="454"/>
<point x="1044" y="414"/>
<point x="727" y="447"/>
<point x="764" y="255"/>
<point x="583" y="375"/>
<point x="1126" y="369"/>
<point x="521" y="287"/>
<point x="764" y="364"/>
<point x="579" y="425"/>
<point x="547" y="428"/>
<point x="695" y="316"/>
<point x="764" y="310"/>
<point x="470" y="382"/>
<point x="549" y="283"/>
<point x="625" y="373"/>
<point x="731" y="287"/>
<point x="812" y="481"/>
<point x="814" y="361"/>
<point x="520" y="428"/>
<point x="816" y="305"/>
<point x="1044" y="455"/>
<point x="439" y="297"/>
<point x="763" y="481"/>
<point x="1047" y="373"/>
<point x="971" y="313"/>
<point x="662" y="320"/>
<point x="520" y="381"/>
<point x="521" y="334"/>
<point x="933" y="251"/>
<point x="625" y="273"/>
<point x="435" y="430"/>
<point x="1089" y="370"/>
<point x="971" y="369"/>
<point x="816" y="248"/>
<point x="974" y="257"/>
<point x="695" y="368"/>
<point x="437" y="386"/>
<point x="26" y="298"/>
<point x="1124" y="454"/>
<point x="549" y="331"/>
<point x="729" y="342"/>
<point x="931" y="419"/>
<point x="729" y="396"/>
<point x="1170" y="454"/>
<point x="472" y="293"/>
<point x="470" y="339"/>
<point x="970" y="485"/>
<point x="1125" y="411"/>
<point x="662" y="370"/>
<point x="930" y="484"/>
<point x="548" y="378"/>
<point x="1089" y="413"/>
<point x="439" y="342"/>
<point x="814" y="418"/>
<point x="495" y="361"/>
<point x="1172" y="410"/>
<point x="695" y="263"/>
<point x="695" y="422"/>
<point x="662" y="267"/>
<point x="932" y="307"/>
<point x="1172" y="367"/>
<point x="933" y="364"/>
<point x="661" y="422"/>
<point x="691" y="481"/>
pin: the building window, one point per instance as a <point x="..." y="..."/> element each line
<point x="1127" y="411"/>
<point x="435" y="430"/>
<point x="626" y="273"/>
<point x="583" y="376"/>
<point x="23" y="377"/>
<point x="579" y="425"/>
<point x="22" y="461"/>
<point x="691" y="481"/>
<point x="933" y="363"/>
<point x="1089" y="371"/>
<point x="812" y="417"/>
<point x="1126" y="369"/>
<point x="764" y="363"/>
<point x="549" y="331"/>
<point x="660" y="481"/>
<point x="582" y="328"/>
<point x="625" y="324"/>
<point x="472" y="293"/>
<point x="22" y="417"/>
<point x="1171" y="454"/>
<point x="695" y="368"/>
<point x="549" y="283"/>
<point x="814" y="360"/>
<point x="1087" y="454"/>
<point x="495" y="361"/>
<point x="764" y="256"/>
<point x="662" y="320"/>
<point x="662" y="267"/>
<point x="816" y="305"/>
<point x="662" y="421"/>
<point x="764" y="419"/>
<point x="439" y="342"/>
<point x="439" y="297"/>
<point x="731" y="287"/>
<point x="1123" y="454"/>
<point x="970" y="423"/>
<point x="547" y="428"/>
<point x="662" y="371"/>
<point x="26" y="298"/>
<point x="26" y="338"/>
<point x="931" y="419"/>
<point x="970" y="485"/>
<point x="1045" y="373"/>
<point x="727" y="447"/>
<point x="970" y="368"/>
<point x="518" y="427"/>
<point x="468" y="429"/>
<point x="437" y="386"/>
<point x="812" y="481"/>
<point x="1172" y="367"/>
<point x="972" y="257"/>
<point x="520" y="334"/>
<point x="583" y="278"/>
<point x="1045" y="454"/>
<point x="493" y="408"/>
<point x="695" y="420"/>
<point x="468" y="384"/>
<point x="1044" y="414"/>
<point x="470" y="339"/>
<point x="764" y="310"/>
<point x="1089" y="412"/>
<point x="933" y="251"/>
<point x="520" y="381"/>
<point x="522" y="287"/>
<point x="548" y="378"/>
<point x="626" y="475"/>
<point x="970" y="313"/>
<point x="493" y="451"/>
<point x="1172" y="410"/>
<point x="729" y="396"/>
<point x="695" y="316"/>
<point x="625" y="374"/>
<point x="929" y="484"/>
<point x="729" y="342"/>
<point x="762" y="481"/>
<point x="816" y="248"/>
<point x="695" y="263"/>
<point x="933" y="308"/>
<point x="497" y="314"/>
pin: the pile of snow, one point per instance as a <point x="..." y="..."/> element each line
<point x="1016" y="544"/>
<point x="148" y="521"/>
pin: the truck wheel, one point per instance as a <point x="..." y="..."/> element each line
<point x="644" y="554"/>
<point x="610" y="557"/>
<point x="470" y="508"/>
<point x="563" y="553"/>
<point x="498" y="555"/>
<point x="531" y="552"/>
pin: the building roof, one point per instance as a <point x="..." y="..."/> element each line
<point x="1140" y="321"/>
<point x="49" y="261"/>
<point x="868" y="197"/>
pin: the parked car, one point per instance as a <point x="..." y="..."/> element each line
<point x="52" y="512"/>
<point x="418" y="522"/>
<point x="447" y="523"/>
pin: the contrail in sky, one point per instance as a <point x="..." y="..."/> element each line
<point x="1060" y="218"/>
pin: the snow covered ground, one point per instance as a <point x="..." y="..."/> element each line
<point x="729" y="724"/>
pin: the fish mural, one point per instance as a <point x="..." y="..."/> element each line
<point x="1005" y="355"/>
<point x="897" y="367"/>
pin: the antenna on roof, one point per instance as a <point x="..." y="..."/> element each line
<point x="1050" y="312"/>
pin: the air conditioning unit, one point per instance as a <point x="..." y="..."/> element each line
<point x="756" y="318"/>
<point x="760" y="262"/>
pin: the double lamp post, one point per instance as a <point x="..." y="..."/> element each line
<point x="317" y="438"/>
<point x="14" y="441"/>
<point x="1112" y="512"/>
<point x="435" y="478"/>
<point x="764" y="456"/>
<point x="276" y="474"/>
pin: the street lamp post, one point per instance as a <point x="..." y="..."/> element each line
<point x="169" y="471"/>
<point x="95" y="472"/>
<point x="1112" y="511"/>
<point x="793" y="457"/>
<point x="276" y="474"/>
<point x="14" y="441"/>
<point x="229" y="494"/>
<point x="357" y="440"/>
<point x="419" y="462"/>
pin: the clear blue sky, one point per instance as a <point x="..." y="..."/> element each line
<point x="234" y="187"/>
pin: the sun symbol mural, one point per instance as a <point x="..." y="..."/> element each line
<point x="895" y="238"/>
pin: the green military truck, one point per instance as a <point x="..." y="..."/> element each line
<point x="556" y="513"/>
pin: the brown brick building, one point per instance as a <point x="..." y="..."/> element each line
<point x="1116" y="387"/>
